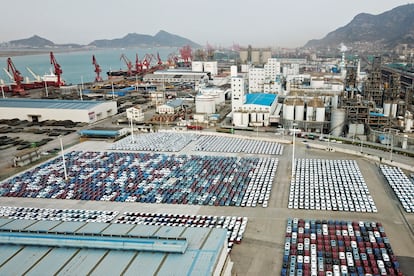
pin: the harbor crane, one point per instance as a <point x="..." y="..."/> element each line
<point x="17" y="77"/>
<point x="186" y="54"/>
<point x="98" y="69"/>
<point x="128" y="64"/>
<point x="57" y="70"/>
<point x="138" y="64"/>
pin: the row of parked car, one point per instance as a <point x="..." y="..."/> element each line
<point x="321" y="247"/>
<point x="57" y="214"/>
<point x="235" y="225"/>
<point x="332" y="185"/>
<point x="402" y="186"/>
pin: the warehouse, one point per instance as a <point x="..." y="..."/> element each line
<point x="256" y="110"/>
<point x="84" y="248"/>
<point x="35" y="110"/>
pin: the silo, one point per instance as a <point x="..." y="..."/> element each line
<point x="197" y="66"/>
<point x="288" y="111"/>
<point x="205" y="104"/>
<point x="299" y="110"/>
<point x="320" y="113"/>
<point x="387" y="108"/>
<point x="408" y="122"/>
<point x="309" y="113"/>
<point x="393" y="110"/>
<point x="245" y="119"/>
<point x="334" y="101"/>
<point x="237" y="118"/>
<point x="253" y="117"/>
<point x="259" y="117"/>
<point x="338" y="117"/>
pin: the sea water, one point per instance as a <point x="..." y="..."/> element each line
<point x="77" y="66"/>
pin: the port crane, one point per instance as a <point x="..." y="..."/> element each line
<point x="128" y="64"/>
<point x="98" y="69"/>
<point x="35" y="76"/>
<point x="186" y="54"/>
<point x="138" y="64"/>
<point x="57" y="70"/>
<point x="17" y="77"/>
<point x="159" y="61"/>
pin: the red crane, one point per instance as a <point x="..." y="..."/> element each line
<point x="98" y="69"/>
<point x="147" y="61"/>
<point x="57" y="70"/>
<point x="159" y="63"/>
<point x="18" y="78"/>
<point x="128" y="64"/>
<point x="138" y="64"/>
<point x="186" y="54"/>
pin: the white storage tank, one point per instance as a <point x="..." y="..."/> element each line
<point x="260" y="117"/>
<point x="320" y="114"/>
<point x="338" y="117"/>
<point x="205" y="104"/>
<point x="245" y="119"/>
<point x="334" y="101"/>
<point x="393" y="110"/>
<point x="197" y="66"/>
<point x="288" y="112"/>
<point x="237" y="118"/>
<point x="299" y="112"/>
<point x="387" y="109"/>
<point x="253" y="117"/>
<point x="211" y="66"/>
<point x="309" y="113"/>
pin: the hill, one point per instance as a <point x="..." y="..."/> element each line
<point x="162" y="38"/>
<point x="387" y="30"/>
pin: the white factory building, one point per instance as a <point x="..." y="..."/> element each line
<point x="170" y="107"/>
<point x="253" y="109"/>
<point x="36" y="110"/>
<point x="266" y="79"/>
<point x="135" y="113"/>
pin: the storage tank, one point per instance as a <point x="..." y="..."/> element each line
<point x="259" y="117"/>
<point x="334" y="101"/>
<point x="245" y="119"/>
<point x="309" y="113"/>
<point x="320" y="114"/>
<point x="233" y="71"/>
<point x="253" y="117"/>
<point x="237" y="118"/>
<point x="299" y="111"/>
<point x="205" y="104"/>
<point x="338" y="117"/>
<point x="393" y="110"/>
<point x="197" y="66"/>
<point x="387" y="109"/>
<point x="288" y="112"/>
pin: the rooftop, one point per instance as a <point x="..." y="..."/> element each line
<point x="260" y="99"/>
<point x="49" y="104"/>
<point x="80" y="248"/>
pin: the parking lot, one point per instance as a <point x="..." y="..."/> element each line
<point x="262" y="249"/>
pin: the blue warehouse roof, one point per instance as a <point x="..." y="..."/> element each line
<point x="260" y="99"/>
<point x="81" y="248"/>
<point x="49" y="104"/>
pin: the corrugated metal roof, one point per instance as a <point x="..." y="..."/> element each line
<point x="203" y="251"/>
<point x="260" y="99"/>
<point x="48" y="104"/>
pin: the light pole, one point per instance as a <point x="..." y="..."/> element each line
<point x="132" y="130"/>
<point x="2" y="91"/>
<point x="293" y="151"/>
<point x="63" y="158"/>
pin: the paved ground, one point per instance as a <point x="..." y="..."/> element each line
<point x="260" y="252"/>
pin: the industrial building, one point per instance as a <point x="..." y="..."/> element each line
<point x="135" y="113"/>
<point x="178" y="76"/>
<point x="35" y="110"/>
<point x="255" y="55"/>
<point x="85" y="248"/>
<point x="170" y="107"/>
<point x="255" y="111"/>
<point x="210" y="67"/>
<point x="209" y="98"/>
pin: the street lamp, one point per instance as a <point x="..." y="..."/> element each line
<point x="293" y="151"/>
<point x="63" y="158"/>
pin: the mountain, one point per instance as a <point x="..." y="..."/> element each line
<point x="32" y="42"/>
<point x="162" y="38"/>
<point x="387" y="30"/>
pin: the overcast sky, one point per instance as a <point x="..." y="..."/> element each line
<point x="289" y="23"/>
